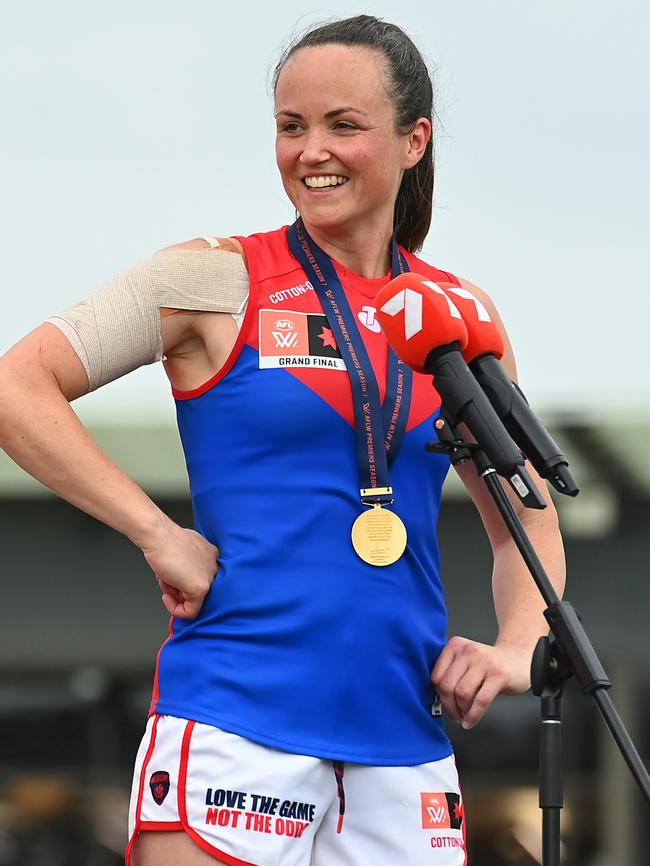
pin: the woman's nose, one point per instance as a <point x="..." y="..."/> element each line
<point x="314" y="149"/>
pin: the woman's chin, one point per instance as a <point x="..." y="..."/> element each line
<point x="321" y="217"/>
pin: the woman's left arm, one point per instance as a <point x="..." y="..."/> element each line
<point x="469" y="675"/>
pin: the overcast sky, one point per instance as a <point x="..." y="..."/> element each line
<point x="134" y="124"/>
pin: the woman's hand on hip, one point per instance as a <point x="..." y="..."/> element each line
<point x="185" y="564"/>
<point x="469" y="675"/>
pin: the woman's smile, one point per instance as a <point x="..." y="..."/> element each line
<point x="318" y="182"/>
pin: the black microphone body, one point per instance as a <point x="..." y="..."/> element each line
<point x="520" y="421"/>
<point x="464" y="400"/>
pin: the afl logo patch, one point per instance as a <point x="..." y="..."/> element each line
<point x="159" y="784"/>
<point x="289" y="338"/>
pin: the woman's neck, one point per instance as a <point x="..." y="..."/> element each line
<point x="364" y="253"/>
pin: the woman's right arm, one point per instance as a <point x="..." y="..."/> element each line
<point x="41" y="432"/>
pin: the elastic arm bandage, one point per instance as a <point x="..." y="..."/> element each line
<point x="117" y="329"/>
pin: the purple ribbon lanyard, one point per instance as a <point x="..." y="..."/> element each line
<point x="379" y="430"/>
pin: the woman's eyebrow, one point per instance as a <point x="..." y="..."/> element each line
<point x="328" y="114"/>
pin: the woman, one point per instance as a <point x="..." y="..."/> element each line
<point x="295" y="715"/>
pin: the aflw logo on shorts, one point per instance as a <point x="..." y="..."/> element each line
<point x="292" y="339"/>
<point x="440" y="811"/>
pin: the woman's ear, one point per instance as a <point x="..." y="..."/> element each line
<point x="417" y="138"/>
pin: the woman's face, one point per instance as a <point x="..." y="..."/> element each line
<point x="337" y="148"/>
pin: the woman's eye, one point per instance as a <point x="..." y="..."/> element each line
<point x="344" y="125"/>
<point x="291" y="127"/>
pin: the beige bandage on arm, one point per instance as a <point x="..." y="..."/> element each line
<point x="117" y="329"/>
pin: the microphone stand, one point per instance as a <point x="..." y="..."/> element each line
<point x="568" y="652"/>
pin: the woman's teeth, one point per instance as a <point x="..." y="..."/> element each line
<point x="330" y="180"/>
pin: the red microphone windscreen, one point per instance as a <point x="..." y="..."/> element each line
<point x="416" y="316"/>
<point x="483" y="336"/>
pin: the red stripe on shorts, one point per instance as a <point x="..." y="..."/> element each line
<point x="143" y="775"/>
<point x="182" y="807"/>
<point x="160" y="825"/>
<point x="462" y="799"/>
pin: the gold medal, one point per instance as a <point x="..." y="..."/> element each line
<point x="379" y="536"/>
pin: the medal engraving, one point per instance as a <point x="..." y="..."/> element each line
<point x="379" y="536"/>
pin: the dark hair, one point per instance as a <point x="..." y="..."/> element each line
<point x="410" y="89"/>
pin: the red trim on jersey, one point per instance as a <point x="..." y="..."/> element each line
<point x="182" y="807"/>
<point x="230" y="360"/>
<point x="160" y="825"/>
<point x="155" y="691"/>
<point x="138" y="806"/>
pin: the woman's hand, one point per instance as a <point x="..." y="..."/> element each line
<point x="469" y="675"/>
<point x="185" y="564"/>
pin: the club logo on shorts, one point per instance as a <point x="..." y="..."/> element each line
<point x="159" y="784"/>
<point x="441" y="811"/>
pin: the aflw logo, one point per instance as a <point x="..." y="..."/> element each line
<point x="441" y="810"/>
<point x="285" y="341"/>
<point x="437" y="814"/>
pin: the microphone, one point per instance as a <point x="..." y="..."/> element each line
<point x="482" y="352"/>
<point x="426" y="330"/>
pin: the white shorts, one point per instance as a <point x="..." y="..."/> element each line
<point x="250" y="805"/>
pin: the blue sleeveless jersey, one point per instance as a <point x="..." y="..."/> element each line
<point x="300" y="645"/>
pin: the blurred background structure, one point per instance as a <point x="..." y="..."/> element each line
<point x="134" y="125"/>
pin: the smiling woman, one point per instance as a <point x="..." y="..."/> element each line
<point x="391" y="97"/>
<point x="336" y="120"/>
<point x="297" y="703"/>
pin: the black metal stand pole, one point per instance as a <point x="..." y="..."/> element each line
<point x="570" y="652"/>
<point x="549" y="672"/>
